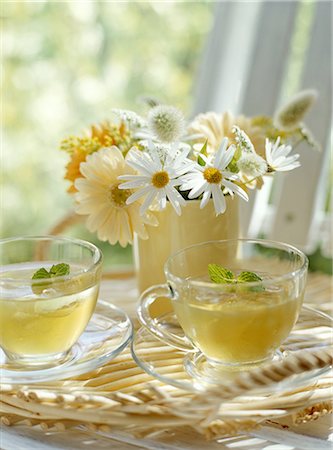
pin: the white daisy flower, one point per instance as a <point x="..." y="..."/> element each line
<point x="278" y="159"/>
<point x="99" y="197"/>
<point x="159" y="173"/>
<point x="210" y="179"/>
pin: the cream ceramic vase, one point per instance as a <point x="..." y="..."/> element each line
<point x="175" y="232"/>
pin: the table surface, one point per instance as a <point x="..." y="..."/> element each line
<point x="280" y="435"/>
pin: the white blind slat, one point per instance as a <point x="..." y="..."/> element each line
<point x="303" y="191"/>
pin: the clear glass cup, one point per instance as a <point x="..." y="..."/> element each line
<point x="229" y="325"/>
<point x="41" y="319"/>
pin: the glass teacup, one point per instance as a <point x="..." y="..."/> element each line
<point x="234" y="324"/>
<point x="41" y="318"/>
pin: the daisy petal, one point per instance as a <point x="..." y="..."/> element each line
<point x="221" y="152"/>
<point x="226" y="158"/>
<point x="138" y="194"/>
<point x="205" y="198"/>
<point x="218" y="200"/>
<point x="148" y="201"/>
<point x="236" y="189"/>
<point x="198" y="190"/>
<point x="132" y="184"/>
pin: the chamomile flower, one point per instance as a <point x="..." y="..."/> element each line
<point x="159" y="173"/>
<point x="278" y="159"/>
<point x="211" y="179"/>
<point x="99" y="197"/>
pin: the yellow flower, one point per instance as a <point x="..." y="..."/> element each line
<point x="214" y="127"/>
<point x="86" y="144"/>
<point x="73" y="169"/>
<point x="99" y="197"/>
<point x="103" y="135"/>
<point x="109" y="134"/>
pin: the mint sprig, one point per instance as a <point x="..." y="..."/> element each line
<point x="60" y="270"/>
<point x="41" y="273"/>
<point x="221" y="275"/>
<point x="248" y="277"/>
<point x="57" y="270"/>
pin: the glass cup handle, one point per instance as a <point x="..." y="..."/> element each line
<point x="153" y="325"/>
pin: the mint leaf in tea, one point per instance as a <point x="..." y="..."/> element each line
<point x="41" y="273"/>
<point x="60" y="270"/>
<point x="57" y="270"/>
<point x="219" y="274"/>
<point x="248" y="277"/>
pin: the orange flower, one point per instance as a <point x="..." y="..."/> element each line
<point x="73" y="169"/>
<point x="103" y="133"/>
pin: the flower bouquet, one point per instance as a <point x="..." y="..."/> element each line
<point x="135" y="174"/>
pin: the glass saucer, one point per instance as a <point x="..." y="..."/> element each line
<point x="179" y="368"/>
<point x="106" y="335"/>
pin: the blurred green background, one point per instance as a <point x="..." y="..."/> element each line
<point x="66" y="66"/>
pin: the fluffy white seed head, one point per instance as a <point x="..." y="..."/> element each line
<point x="290" y="116"/>
<point x="166" y="123"/>
<point x="252" y="165"/>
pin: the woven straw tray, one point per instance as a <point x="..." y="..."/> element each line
<point x="120" y="396"/>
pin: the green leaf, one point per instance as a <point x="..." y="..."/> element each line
<point x="219" y="274"/>
<point x="237" y="154"/>
<point x="60" y="270"/>
<point x="41" y="273"/>
<point x="203" y="151"/>
<point x="248" y="277"/>
<point x="232" y="167"/>
<point x="57" y="270"/>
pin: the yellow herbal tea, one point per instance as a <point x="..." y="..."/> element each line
<point x="44" y="320"/>
<point x="238" y="326"/>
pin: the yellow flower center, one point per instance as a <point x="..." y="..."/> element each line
<point x="160" y="179"/>
<point x="212" y="175"/>
<point x="118" y="196"/>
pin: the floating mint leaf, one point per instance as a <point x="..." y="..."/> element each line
<point x="219" y="274"/>
<point x="41" y="273"/>
<point x="59" y="270"/>
<point x="248" y="277"/>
